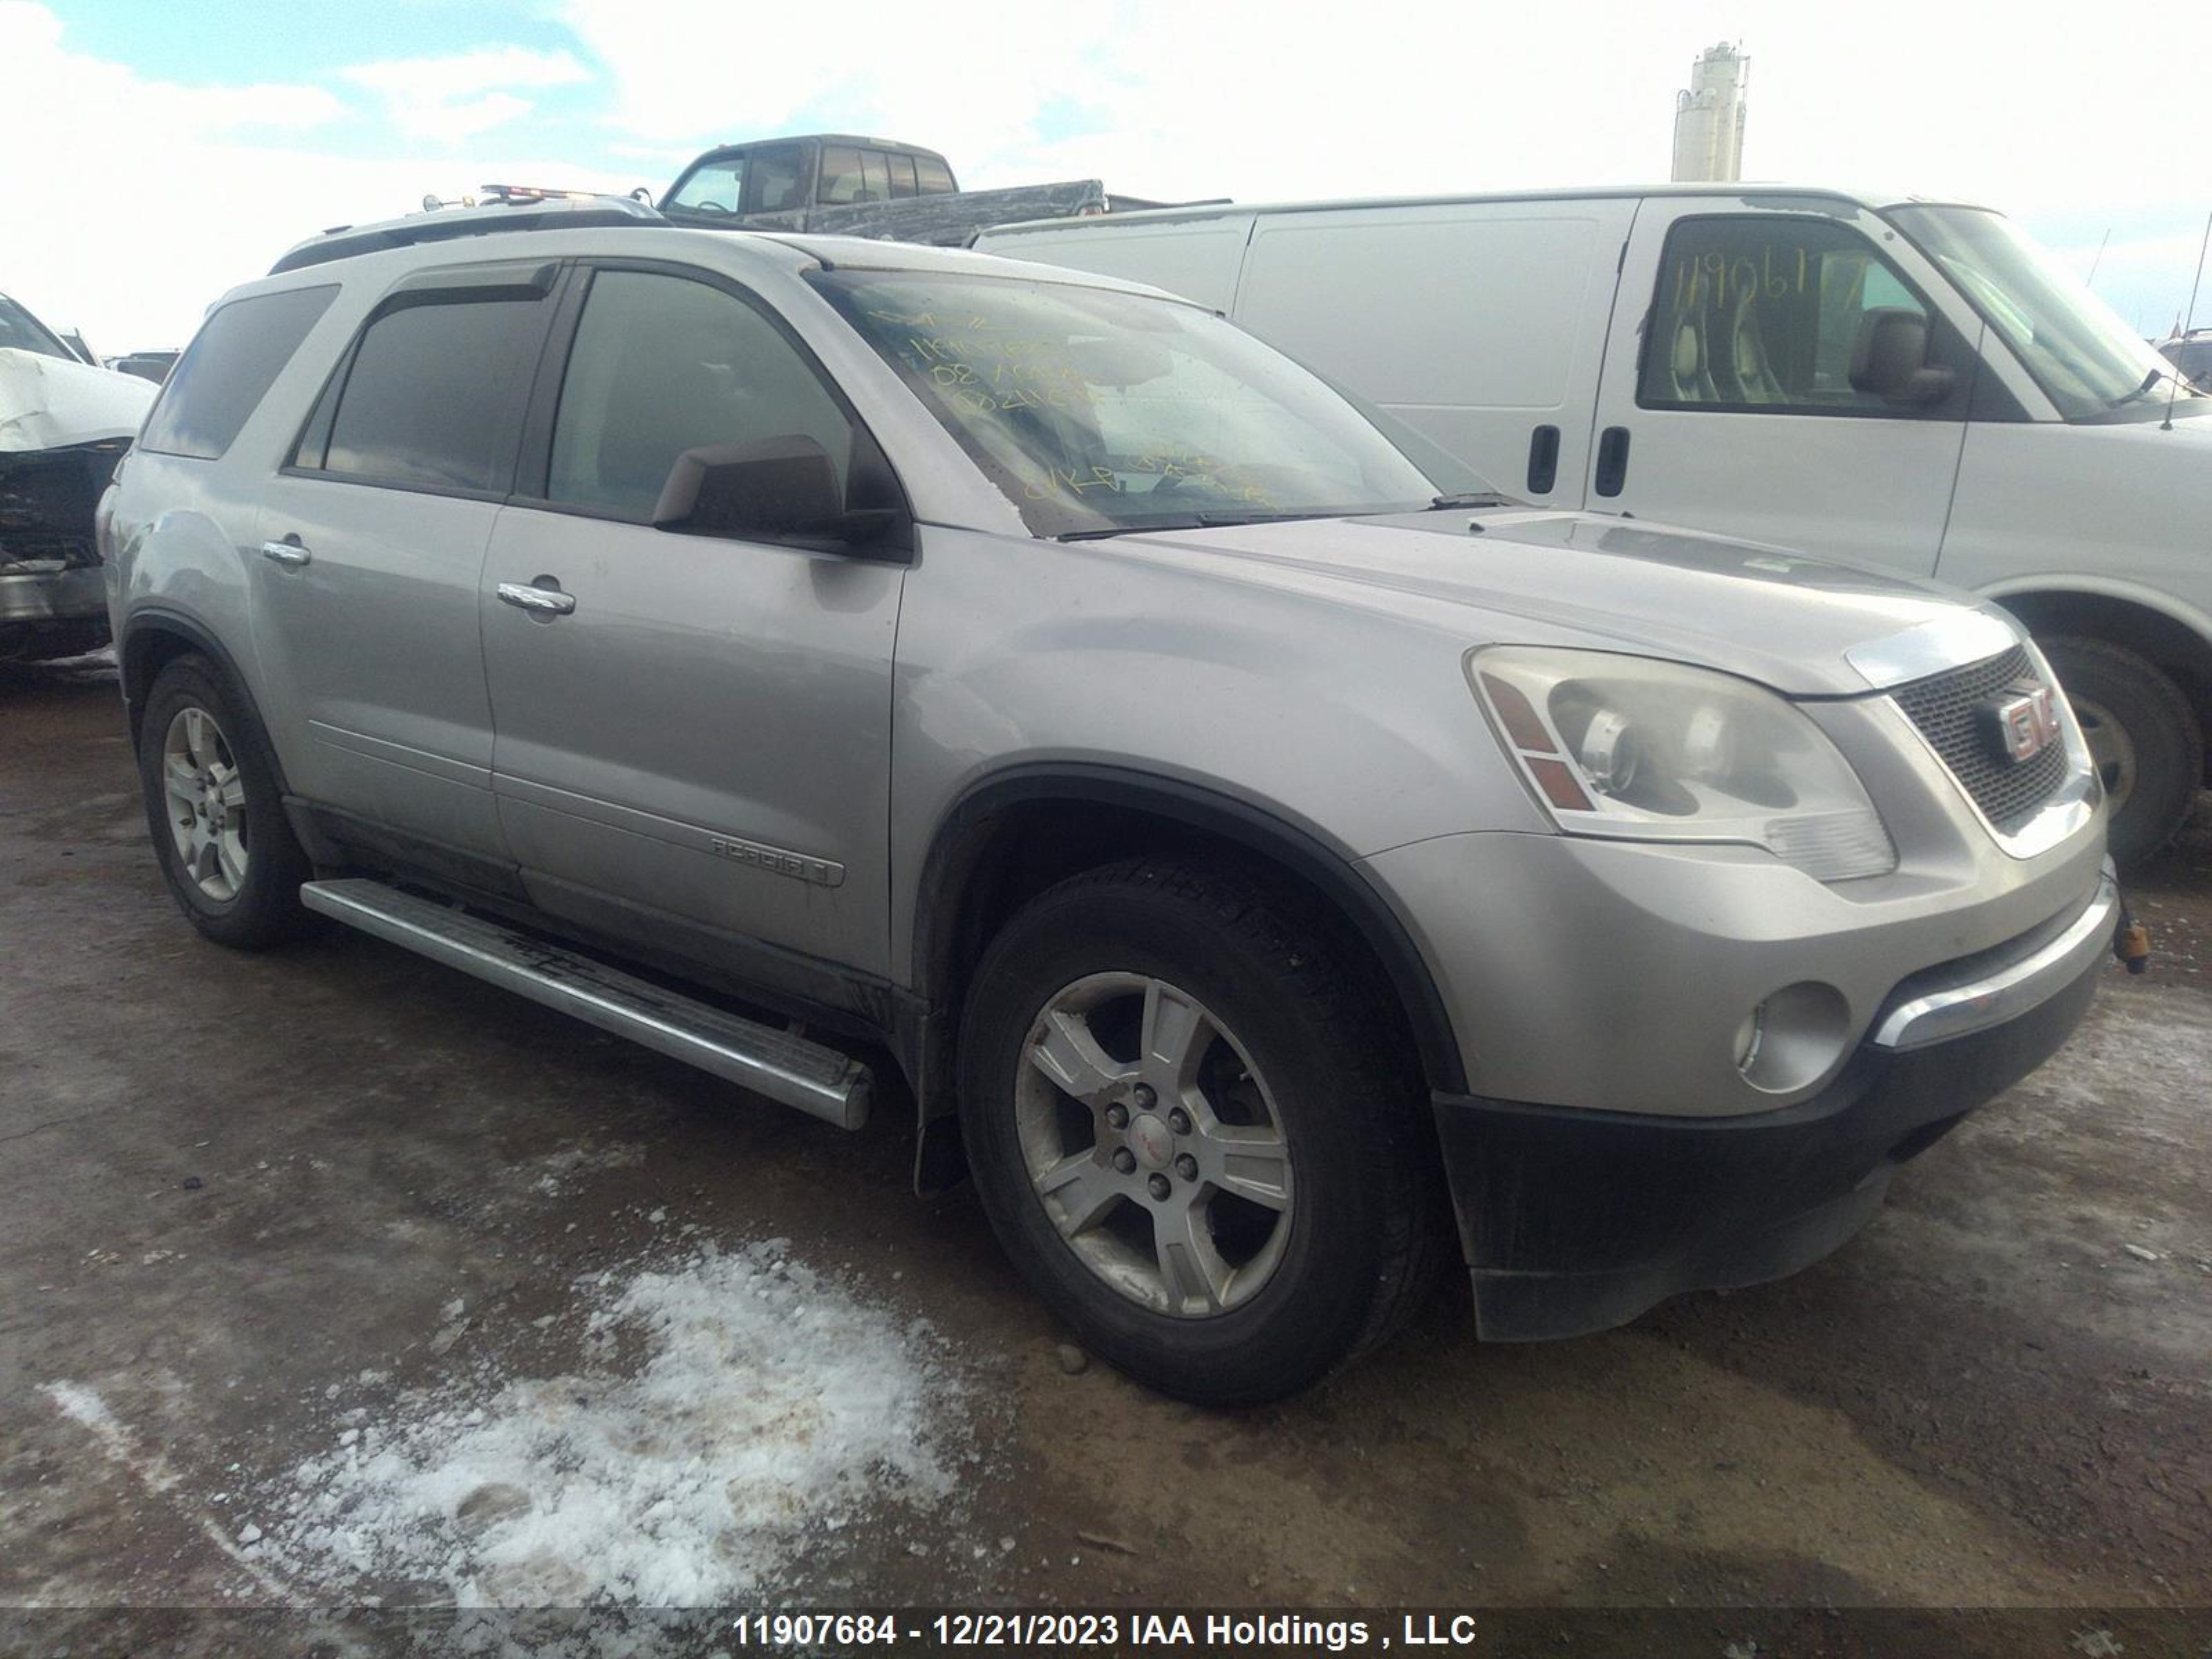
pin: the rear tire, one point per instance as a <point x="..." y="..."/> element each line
<point x="2145" y="737"/>
<point x="217" y="811"/>
<point x="1255" y="1202"/>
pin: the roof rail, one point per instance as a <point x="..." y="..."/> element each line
<point x="506" y="208"/>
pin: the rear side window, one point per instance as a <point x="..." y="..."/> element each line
<point x="228" y="367"/>
<point x="433" y="396"/>
<point x="842" y="181"/>
<point x="773" y="181"/>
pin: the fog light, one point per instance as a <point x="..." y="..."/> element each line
<point x="1790" y="1040"/>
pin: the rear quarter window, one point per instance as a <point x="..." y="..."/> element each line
<point x="229" y="368"/>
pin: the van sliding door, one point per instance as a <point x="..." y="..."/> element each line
<point x="1481" y="325"/>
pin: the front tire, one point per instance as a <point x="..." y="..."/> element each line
<point x="1193" y="1132"/>
<point x="2143" y="736"/>
<point x="216" y="810"/>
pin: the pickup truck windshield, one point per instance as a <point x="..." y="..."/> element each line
<point x="1096" y="411"/>
<point x="2088" y="362"/>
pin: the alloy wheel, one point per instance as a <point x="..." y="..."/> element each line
<point x="1153" y="1145"/>
<point x="206" y="800"/>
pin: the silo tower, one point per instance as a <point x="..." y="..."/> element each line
<point x="1708" y="116"/>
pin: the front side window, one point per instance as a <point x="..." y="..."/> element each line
<point x="228" y="370"/>
<point x="1095" y="410"/>
<point x="21" y="331"/>
<point x="2088" y="362"/>
<point x="662" y="364"/>
<point x="433" y="396"/>
<point x="1766" y="313"/>
<point x="713" y="187"/>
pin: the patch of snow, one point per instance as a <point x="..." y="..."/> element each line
<point x="729" y="1404"/>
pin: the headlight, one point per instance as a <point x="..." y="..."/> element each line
<point x="1642" y="750"/>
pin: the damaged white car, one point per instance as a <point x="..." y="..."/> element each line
<point x="63" y="425"/>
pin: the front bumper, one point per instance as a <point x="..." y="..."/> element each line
<point x="1575" y="1221"/>
<point x="67" y="595"/>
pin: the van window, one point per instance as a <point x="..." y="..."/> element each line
<point x="663" y="364"/>
<point x="1763" y="313"/>
<point x="433" y="398"/>
<point x="230" y="365"/>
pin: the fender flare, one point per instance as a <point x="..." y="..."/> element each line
<point x="2060" y="584"/>
<point x="160" y="619"/>
<point x="1306" y="851"/>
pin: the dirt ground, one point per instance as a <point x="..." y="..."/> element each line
<point x="238" y="1192"/>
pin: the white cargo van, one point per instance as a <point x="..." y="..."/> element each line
<point x="1905" y="382"/>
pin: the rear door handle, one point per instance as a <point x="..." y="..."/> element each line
<point x="1611" y="461"/>
<point x="286" y="553"/>
<point x="539" y="601"/>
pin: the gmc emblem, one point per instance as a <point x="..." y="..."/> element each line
<point x="2025" y="722"/>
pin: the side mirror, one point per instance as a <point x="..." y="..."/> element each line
<point x="771" y="488"/>
<point x="1890" y="359"/>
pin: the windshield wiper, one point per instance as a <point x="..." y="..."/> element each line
<point x="2149" y="380"/>
<point x="1469" y="498"/>
<point x="1192" y="521"/>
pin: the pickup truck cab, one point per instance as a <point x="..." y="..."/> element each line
<point x="1251" y="856"/>
<point x="843" y="185"/>
<point x="1876" y="377"/>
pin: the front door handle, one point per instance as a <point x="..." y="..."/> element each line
<point x="286" y="553"/>
<point x="539" y="601"/>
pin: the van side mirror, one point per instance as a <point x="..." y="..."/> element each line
<point x="770" y="488"/>
<point x="1889" y="359"/>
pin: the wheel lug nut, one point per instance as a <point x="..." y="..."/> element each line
<point x="1117" y="1115"/>
<point x="1187" y="1167"/>
<point x="1144" y="1096"/>
<point x="1125" y="1160"/>
<point x="1179" y="1120"/>
<point x="1159" y="1187"/>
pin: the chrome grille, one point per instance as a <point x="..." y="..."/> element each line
<point x="1948" y="709"/>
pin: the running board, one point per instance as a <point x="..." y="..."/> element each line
<point x="788" y="1069"/>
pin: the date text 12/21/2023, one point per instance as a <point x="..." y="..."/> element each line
<point x="956" y="1632"/>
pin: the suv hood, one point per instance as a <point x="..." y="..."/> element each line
<point x="1806" y="627"/>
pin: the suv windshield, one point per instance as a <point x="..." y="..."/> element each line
<point x="21" y="331"/>
<point x="1096" y="411"/>
<point x="2088" y="362"/>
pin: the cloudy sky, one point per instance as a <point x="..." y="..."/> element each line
<point x="156" y="152"/>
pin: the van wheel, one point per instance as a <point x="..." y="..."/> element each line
<point x="2143" y="736"/>
<point x="216" y="812"/>
<point x="1191" y="1131"/>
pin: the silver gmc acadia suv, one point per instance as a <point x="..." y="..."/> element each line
<point x="1253" y="850"/>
